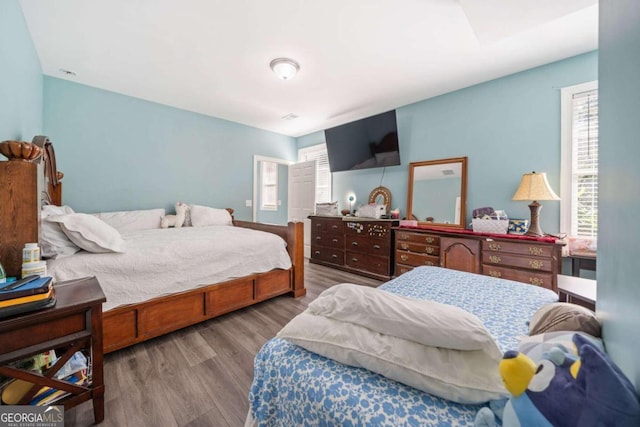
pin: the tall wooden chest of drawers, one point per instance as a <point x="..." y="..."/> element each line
<point x="358" y="245"/>
<point x="536" y="262"/>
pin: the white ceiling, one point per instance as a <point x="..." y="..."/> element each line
<point x="357" y="57"/>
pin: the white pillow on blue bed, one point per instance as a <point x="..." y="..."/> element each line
<point x="202" y="216"/>
<point x="144" y="219"/>
<point x="371" y="335"/>
<point x="90" y="233"/>
<point x="423" y="321"/>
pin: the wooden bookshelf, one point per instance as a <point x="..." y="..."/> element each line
<point x="73" y="324"/>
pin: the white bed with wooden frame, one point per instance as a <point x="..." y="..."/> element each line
<point x="144" y="318"/>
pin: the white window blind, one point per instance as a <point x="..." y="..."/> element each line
<point x="579" y="194"/>
<point x="323" y="173"/>
<point x="269" y="189"/>
<point x="584" y="203"/>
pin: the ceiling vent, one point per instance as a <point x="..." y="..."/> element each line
<point x="290" y="116"/>
<point x="68" y="72"/>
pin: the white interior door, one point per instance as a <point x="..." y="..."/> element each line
<point x="302" y="197"/>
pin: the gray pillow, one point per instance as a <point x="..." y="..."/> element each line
<point x="562" y="316"/>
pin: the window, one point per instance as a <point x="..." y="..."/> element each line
<point x="579" y="206"/>
<point x="323" y="173"/>
<point x="269" y="188"/>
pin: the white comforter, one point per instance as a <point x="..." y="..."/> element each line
<point x="164" y="261"/>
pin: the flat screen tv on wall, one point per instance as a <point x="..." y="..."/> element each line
<point x="367" y="143"/>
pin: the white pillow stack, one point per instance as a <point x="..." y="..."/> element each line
<point x="54" y="242"/>
<point x="437" y="348"/>
<point x="90" y="233"/>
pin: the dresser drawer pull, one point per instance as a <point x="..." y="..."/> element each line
<point x="534" y="263"/>
<point x="318" y="225"/>
<point x="404" y="257"/>
<point x="334" y="256"/>
<point x="494" y="273"/>
<point x="534" y="250"/>
<point x="495" y="259"/>
<point x="318" y="238"/>
<point x="376" y="246"/>
<point x="334" y="241"/>
<point x="430" y="263"/>
<point x="335" y="227"/>
<point x="317" y="252"/>
<point x="403" y="236"/>
<point x="429" y="250"/>
<point x="429" y="239"/>
<point x="404" y="246"/>
<point x="354" y="259"/>
<point x="494" y="246"/>
<point x="536" y="281"/>
<point x="404" y="270"/>
<point x="354" y="243"/>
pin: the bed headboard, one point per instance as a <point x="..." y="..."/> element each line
<point x="23" y="189"/>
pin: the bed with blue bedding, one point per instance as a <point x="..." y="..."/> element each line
<point x="293" y="386"/>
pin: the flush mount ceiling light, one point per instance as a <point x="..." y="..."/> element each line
<point x="284" y="68"/>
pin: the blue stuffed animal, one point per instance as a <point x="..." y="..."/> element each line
<point x="564" y="390"/>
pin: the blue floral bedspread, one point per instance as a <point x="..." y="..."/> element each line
<point x="294" y="387"/>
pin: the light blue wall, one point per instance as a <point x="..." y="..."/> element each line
<point x="619" y="183"/>
<point x="20" y="77"/>
<point x="120" y="153"/>
<point x="506" y="127"/>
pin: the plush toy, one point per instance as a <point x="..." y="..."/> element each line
<point x="565" y="390"/>
<point x="176" y="220"/>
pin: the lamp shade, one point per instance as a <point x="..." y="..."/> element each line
<point x="534" y="186"/>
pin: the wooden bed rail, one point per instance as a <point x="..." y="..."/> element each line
<point x="293" y="234"/>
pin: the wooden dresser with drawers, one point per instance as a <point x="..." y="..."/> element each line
<point x="537" y="262"/>
<point x="359" y="245"/>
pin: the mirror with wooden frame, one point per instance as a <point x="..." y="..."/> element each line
<point x="438" y="192"/>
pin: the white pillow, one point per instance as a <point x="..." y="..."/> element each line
<point x="133" y="220"/>
<point x="90" y="233"/>
<point x="202" y="216"/>
<point x="460" y="376"/>
<point x="423" y="321"/>
<point x="53" y="242"/>
<point x="437" y="348"/>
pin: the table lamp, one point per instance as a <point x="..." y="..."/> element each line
<point x="534" y="187"/>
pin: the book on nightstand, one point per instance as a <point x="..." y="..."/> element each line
<point x="39" y="285"/>
<point x="35" y="295"/>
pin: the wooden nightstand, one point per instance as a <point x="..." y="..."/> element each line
<point x="577" y="290"/>
<point x="75" y="323"/>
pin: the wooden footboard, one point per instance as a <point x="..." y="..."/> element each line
<point x="134" y="323"/>
<point x="293" y="234"/>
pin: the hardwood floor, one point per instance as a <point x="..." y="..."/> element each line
<point x="200" y="375"/>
